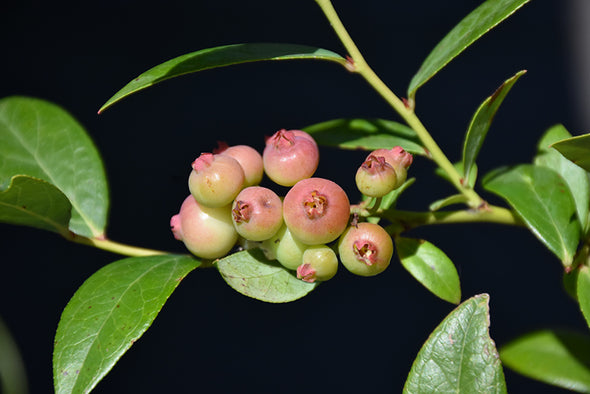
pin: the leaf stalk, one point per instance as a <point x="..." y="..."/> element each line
<point x="115" y="247"/>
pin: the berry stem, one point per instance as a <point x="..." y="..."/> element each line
<point x="115" y="247"/>
<point x="406" y="220"/>
<point x="359" y="65"/>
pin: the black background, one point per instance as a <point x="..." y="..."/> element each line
<point x="353" y="334"/>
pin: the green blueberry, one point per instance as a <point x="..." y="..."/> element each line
<point x="215" y="180"/>
<point x="375" y="177"/>
<point x="365" y="249"/>
<point x="319" y="263"/>
<point x="285" y="248"/>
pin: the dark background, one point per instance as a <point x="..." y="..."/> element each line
<point x="353" y="334"/>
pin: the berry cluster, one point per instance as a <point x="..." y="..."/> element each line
<point x="227" y="204"/>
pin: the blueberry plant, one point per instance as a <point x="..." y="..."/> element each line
<point x="275" y="231"/>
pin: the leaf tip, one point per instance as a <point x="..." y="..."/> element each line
<point x="104" y="106"/>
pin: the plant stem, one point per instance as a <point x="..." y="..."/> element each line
<point x="490" y="214"/>
<point x="360" y="66"/>
<point x="115" y="247"/>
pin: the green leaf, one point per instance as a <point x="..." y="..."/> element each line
<point x="367" y="134"/>
<point x="583" y="292"/>
<point x="459" y="356"/>
<point x="576" y="149"/>
<point x="253" y="275"/>
<point x="431" y="267"/>
<point x="35" y="203"/>
<point x="575" y="177"/>
<point x="569" y="281"/>
<point x="543" y="200"/>
<point x="471" y="28"/>
<point x="559" y="358"/>
<point x="445" y="202"/>
<point x="482" y="120"/>
<point x="221" y="56"/>
<point x="108" y="313"/>
<point x="43" y="141"/>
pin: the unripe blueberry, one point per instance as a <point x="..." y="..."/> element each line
<point x="249" y="159"/>
<point x="207" y="232"/>
<point x="316" y="211"/>
<point x="375" y="177"/>
<point x="215" y="179"/>
<point x="290" y="156"/>
<point x="257" y="213"/>
<point x="365" y="249"/>
<point x="399" y="159"/>
<point x="284" y="248"/>
<point x="319" y="263"/>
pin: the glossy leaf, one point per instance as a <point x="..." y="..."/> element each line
<point x="576" y="149"/>
<point x="575" y="177"/>
<point x="583" y="292"/>
<point x="251" y="274"/>
<point x="431" y="267"/>
<point x="108" y="313"/>
<point x="482" y="120"/>
<point x="459" y="356"/>
<point x="471" y="28"/>
<point x="43" y="141"/>
<point x="35" y="203"/>
<point x="221" y="56"/>
<point x="543" y="200"/>
<point x="366" y="134"/>
<point x="559" y="358"/>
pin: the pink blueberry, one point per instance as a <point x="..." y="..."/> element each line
<point x="206" y="232"/>
<point x="257" y="213"/>
<point x="249" y="159"/>
<point x="290" y="156"/>
<point x="316" y="211"/>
